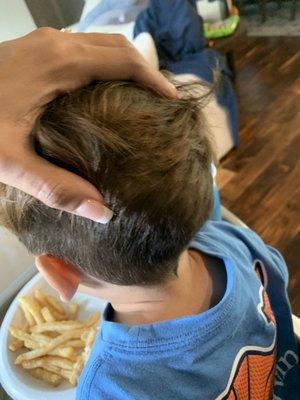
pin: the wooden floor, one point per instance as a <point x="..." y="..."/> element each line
<point x="261" y="181"/>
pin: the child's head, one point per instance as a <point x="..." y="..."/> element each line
<point x="149" y="157"/>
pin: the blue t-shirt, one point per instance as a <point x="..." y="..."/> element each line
<point x="242" y="348"/>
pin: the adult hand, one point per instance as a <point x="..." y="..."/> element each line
<point x="35" y="69"/>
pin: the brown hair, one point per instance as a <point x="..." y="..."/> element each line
<point x="150" y="158"/>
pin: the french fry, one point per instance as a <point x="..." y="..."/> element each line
<point x="57" y="344"/>
<point x="31" y="344"/>
<point x="32" y="364"/>
<point x="48" y="360"/>
<point x="21" y="335"/>
<point x="76" y="371"/>
<point x="55" y="304"/>
<point x="73" y="311"/>
<point x="57" y="315"/>
<point x="46" y="313"/>
<point x="16" y="344"/>
<point x="59" y="362"/>
<point x="93" y="320"/>
<point x="26" y="327"/>
<point x="89" y="338"/>
<point x="34" y="308"/>
<point x="29" y="318"/>
<point x="41" y="337"/>
<point x="58" y="371"/>
<point x="60" y="326"/>
<point x="44" y="302"/>
<point x="46" y="376"/>
<point x="41" y="298"/>
<point x="37" y="352"/>
<point x="76" y="343"/>
<point x="53" y="334"/>
<point x="75" y="334"/>
<point x="65" y="352"/>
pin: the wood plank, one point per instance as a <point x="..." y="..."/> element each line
<point x="270" y="181"/>
<point x="290" y="253"/>
<point x="274" y="233"/>
<point x="263" y="189"/>
<point x="223" y="177"/>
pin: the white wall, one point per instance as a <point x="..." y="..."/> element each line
<point x="15" y="19"/>
<point x="89" y="5"/>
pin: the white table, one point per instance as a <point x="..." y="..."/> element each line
<point x="16" y="267"/>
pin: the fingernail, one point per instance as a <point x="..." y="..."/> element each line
<point x="95" y="211"/>
<point x="173" y="91"/>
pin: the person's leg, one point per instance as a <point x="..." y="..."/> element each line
<point x="144" y="43"/>
<point x="216" y="115"/>
<point x="217" y="119"/>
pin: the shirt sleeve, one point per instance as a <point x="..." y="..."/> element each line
<point x="271" y="257"/>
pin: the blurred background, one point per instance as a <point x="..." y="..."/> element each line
<point x="258" y="174"/>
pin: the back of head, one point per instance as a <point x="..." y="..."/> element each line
<point x="148" y="156"/>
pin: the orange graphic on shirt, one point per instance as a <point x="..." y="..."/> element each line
<point x="254" y="367"/>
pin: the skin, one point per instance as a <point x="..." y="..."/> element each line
<point x="199" y="285"/>
<point x="34" y="70"/>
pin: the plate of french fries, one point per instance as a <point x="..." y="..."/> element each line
<point x="45" y="344"/>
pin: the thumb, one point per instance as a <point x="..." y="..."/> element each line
<point x="55" y="187"/>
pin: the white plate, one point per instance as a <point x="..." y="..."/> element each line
<point x="19" y="384"/>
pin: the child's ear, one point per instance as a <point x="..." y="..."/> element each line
<point x="62" y="276"/>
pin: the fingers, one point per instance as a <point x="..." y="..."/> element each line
<point x="124" y="63"/>
<point x="153" y="79"/>
<point x="98" y="39"/>
<point x="78" y="58"/>
<point x="56" y="62"/>
<point x="55" y="187"/>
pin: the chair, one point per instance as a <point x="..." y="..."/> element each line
<point x="228" y="44"/>
<point x="234" y="220"/>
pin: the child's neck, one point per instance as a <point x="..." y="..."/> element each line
<point x="200" y="284"/>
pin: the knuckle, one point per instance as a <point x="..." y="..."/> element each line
<point x="45" y="32"/>
<point x="6" y="164"/>
<point x="54" y="195"/>
<point x="136" y="65"/>
<point x="54" y="44"/>
<point x="121" y="39"/>
<point x="59" y="49"/>
<point x="131" y="57"/>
